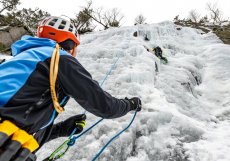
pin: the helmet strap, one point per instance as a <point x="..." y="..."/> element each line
<point x="74" y="50"/>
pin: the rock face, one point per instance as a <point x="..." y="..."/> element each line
<point x="8" y="35"/>
<point x="221" y="30"/>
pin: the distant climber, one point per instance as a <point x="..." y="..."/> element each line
<point x="135" y="34"/>
<point x="146" y="38"/>
<point x="158" y="52"/>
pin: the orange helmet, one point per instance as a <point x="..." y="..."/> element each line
<point x="57" y="29"/>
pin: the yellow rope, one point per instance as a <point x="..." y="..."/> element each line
<point x="53" y="77"/>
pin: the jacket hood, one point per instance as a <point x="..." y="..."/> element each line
<point x="28" y="42"/>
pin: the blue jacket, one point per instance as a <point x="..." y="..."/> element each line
<point x="25" y="97"/>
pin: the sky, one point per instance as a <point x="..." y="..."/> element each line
<point x="154" y="10"/>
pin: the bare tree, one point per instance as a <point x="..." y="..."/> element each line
<point x="112" y="18"/>
<point x="98" y="16"/>
<point x="215" y="13"/>
<point x="176" y="18"/>
<point x="89" y="14"/>
<point x="30" y="18"/>
<point x="140" y="19"/>
<point x="8" y="5"/>
<point x="204" y="19"/>
<point x="194" y="16"/>
<point x="83" y="20"/>
<point x="27" y="18"/>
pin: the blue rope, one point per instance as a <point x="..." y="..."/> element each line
<point x="64" y="100"/>
<point x="113" y="138"/>
<point x="72" y="140"/>
<point x="109" y="72"/>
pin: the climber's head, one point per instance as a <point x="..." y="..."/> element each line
<point x="60" y="30"/>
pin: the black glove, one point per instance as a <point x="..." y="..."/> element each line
<point x="65" y="128"/>
<point x="73" y="122"/>
<point x="135" y="103"/>
<point x="79" y="123"/>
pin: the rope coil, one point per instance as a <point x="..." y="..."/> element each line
<point x="53" y="77"/>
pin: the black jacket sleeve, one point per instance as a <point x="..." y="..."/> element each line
<point x="78" y="83"/>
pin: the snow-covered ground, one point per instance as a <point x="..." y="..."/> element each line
<point x="2" y="56"/>
<point x="186" y="105"/>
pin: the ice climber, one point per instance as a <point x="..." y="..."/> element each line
<point x="37" y="83"/>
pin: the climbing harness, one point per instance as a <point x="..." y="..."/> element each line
<point x="63" y="148"/>
<point x="15" y="143"/>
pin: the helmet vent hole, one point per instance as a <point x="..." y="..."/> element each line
<point x="61" y="26"/>
<point x="63" y="22"/>
<point x="70" y="29"/>
<point x="51" y="23"/>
